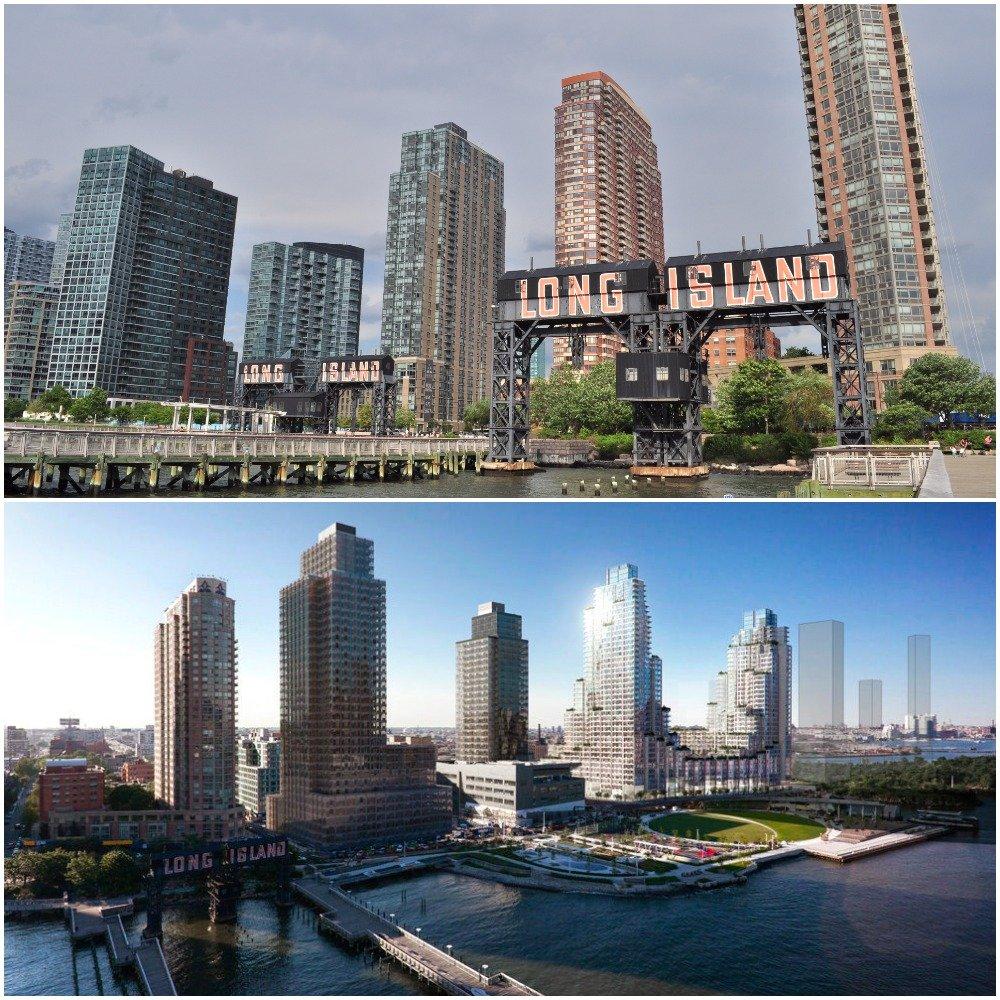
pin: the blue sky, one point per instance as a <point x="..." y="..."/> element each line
<point x="86" y="582"/>
<point x="298" y="110"/>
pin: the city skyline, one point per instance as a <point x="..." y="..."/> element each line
<point x="289" y="195"/>
<point x="912" y="551"/>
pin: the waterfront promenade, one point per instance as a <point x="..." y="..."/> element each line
<point x="356" y="923"/>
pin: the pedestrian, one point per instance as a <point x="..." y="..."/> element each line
<point x="987" y="442"/>
<point x="963" y="446"/>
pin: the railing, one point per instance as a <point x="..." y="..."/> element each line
<point x="871" y="466"/>
<point x="167" y="444"/>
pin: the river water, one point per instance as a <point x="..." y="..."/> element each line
<point x="927" y="749"/>
<point x="914" y="921"/>
<point x="546" y="483"/>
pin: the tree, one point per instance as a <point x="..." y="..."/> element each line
<point x="798" y="352"/>
<point x="710" y="422"/>
<point x="901" y="421"/>
<point x="598" y="405"/>
<point x="83" y="873"/>
<point x="477" y="414"/>
<point x="13" y="408"/>
<point x="405" y="418"/>
<point x="51" y="401"/>
<point x="939" y="383"/>
<point x="555" y="401"/>
<point x="750" y="400"/>
<point x="983" y="396"/>
<point x="364" y="415"/>
<point x="119" y="873"/>
<point x="808" y="402"/>
<point x="131" y="798"/>
<point x="92" y="406"/>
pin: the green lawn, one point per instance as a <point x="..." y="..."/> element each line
<point x="708" y="826"/>
<point x="787" y="827"/>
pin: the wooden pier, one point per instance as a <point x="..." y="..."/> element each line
<point x="91" y="462"/>
<point x="356" y="924"/>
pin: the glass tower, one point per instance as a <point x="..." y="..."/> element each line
<point x="341" y="784"/>
<point x="624" y="749"/>
<point x="304" y="301"/>
<point x="444" y="253"/>
<point x="918" y="675"/>
<point x="821" y="674"/>
<point x="491" y="689"/>
<point x="25" y="258"/>
<point x="29" y="318"/>
<point x="870" y="170"/>
<point x="869" y="704"/>
<point x="147" y="269"/>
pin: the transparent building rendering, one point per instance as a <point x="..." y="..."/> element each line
<point x="341" y="785"/>
<point x="491" y="689"/>
<point x="195" y="709"/>
<point x="444" y="254"/>
<point x="147" y="267"/>
<point x="870" y="169"/>
<point x="821" y="674"/>
<point x="622" y="725"/>
<point x="918" y="675"/>
<point x="304" y="301"/>
<point x="869" y="703"/>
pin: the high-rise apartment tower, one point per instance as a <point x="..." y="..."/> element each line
<point x="195" y="708"/>
<point x="869" y="167"/>
<point x="609" y="198"/>
<point x="918" y="675"/>
<point x="491" y="689"/>
<point x="444" y="252"/>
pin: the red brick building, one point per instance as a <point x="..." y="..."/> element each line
<point x="209" y="370"/>
<point x="69" y="785"/>
<point x="137" y="772"/>
<point x="728" y="348"/>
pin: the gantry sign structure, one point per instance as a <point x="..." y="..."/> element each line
<point x="219" y="866"/>
<point x="308" y="394"/>
<point x="664" y="322"/>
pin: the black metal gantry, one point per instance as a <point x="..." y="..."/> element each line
<point x="668" y="433"/>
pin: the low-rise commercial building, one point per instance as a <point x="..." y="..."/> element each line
<point x="148" y="825"/>
<point x="516" y="792"/>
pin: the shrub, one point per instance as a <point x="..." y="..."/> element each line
<point x="759" y="449"/>
<point x="975" y="437"/>
<point x="612" y="445"/>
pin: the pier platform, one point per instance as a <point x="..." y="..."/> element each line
<point x="358" y="924"/>
<point x="851" y="845"/>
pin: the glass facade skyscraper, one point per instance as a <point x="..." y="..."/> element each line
<point x="751" y="707"/>
<point x="147" y="268"/>
<point x="918" y="675"/>
<point x="304" y="301"/>
<point x="624" y="746"/>
<point x="821" y="674"/>
<point x="870" y="169"/>
<point x="25" y="258"/>
<point x="195" y="709"/>
<point x="341" y="783"/>
<point x="444" y="253"/>
<point x="29" y="319"/>
<point x="491" y="689"/>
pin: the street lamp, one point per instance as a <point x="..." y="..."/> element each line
<point x="449" y="947"/>
<point x="484" y="967"/>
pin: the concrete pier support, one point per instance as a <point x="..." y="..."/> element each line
<point x="38" y="475"/>
<point x="670" y="471"/>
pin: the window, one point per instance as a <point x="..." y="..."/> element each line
<point x="632" y="374"/>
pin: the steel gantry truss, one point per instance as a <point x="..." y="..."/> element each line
<point x="668" y="433"/>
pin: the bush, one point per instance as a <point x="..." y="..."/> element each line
<point x="759" y="449"/>
<point x="612" y="445"/>
<point x="975" y="437"/>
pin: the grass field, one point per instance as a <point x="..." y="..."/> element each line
<point x="737" y="827"/>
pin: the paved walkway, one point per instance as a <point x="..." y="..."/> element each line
<point x="972" y="475"/>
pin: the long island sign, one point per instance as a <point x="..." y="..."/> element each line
<point x="244" y="851"/>
<point x="740" y="280"/>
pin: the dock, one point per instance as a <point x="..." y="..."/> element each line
<point x="357" y="924"/>
<point x="91" y="462"/>
<point x="852" y="845"/>
<point x="92" y="920"/>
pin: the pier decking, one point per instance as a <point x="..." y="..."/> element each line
<point x="847" y="848"/>
<point x="90" y="920"/>
<point x="88" y="462"/>
<point x="357" y="924"/>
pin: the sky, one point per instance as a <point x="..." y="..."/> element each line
<point x="298" y="110"/>
<point x="86" y="583"/>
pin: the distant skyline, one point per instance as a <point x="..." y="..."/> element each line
<point x="299" y="111"/>
<point x="87" y="582"/>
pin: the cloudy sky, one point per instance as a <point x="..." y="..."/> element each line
<point x="298" y="111"/>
